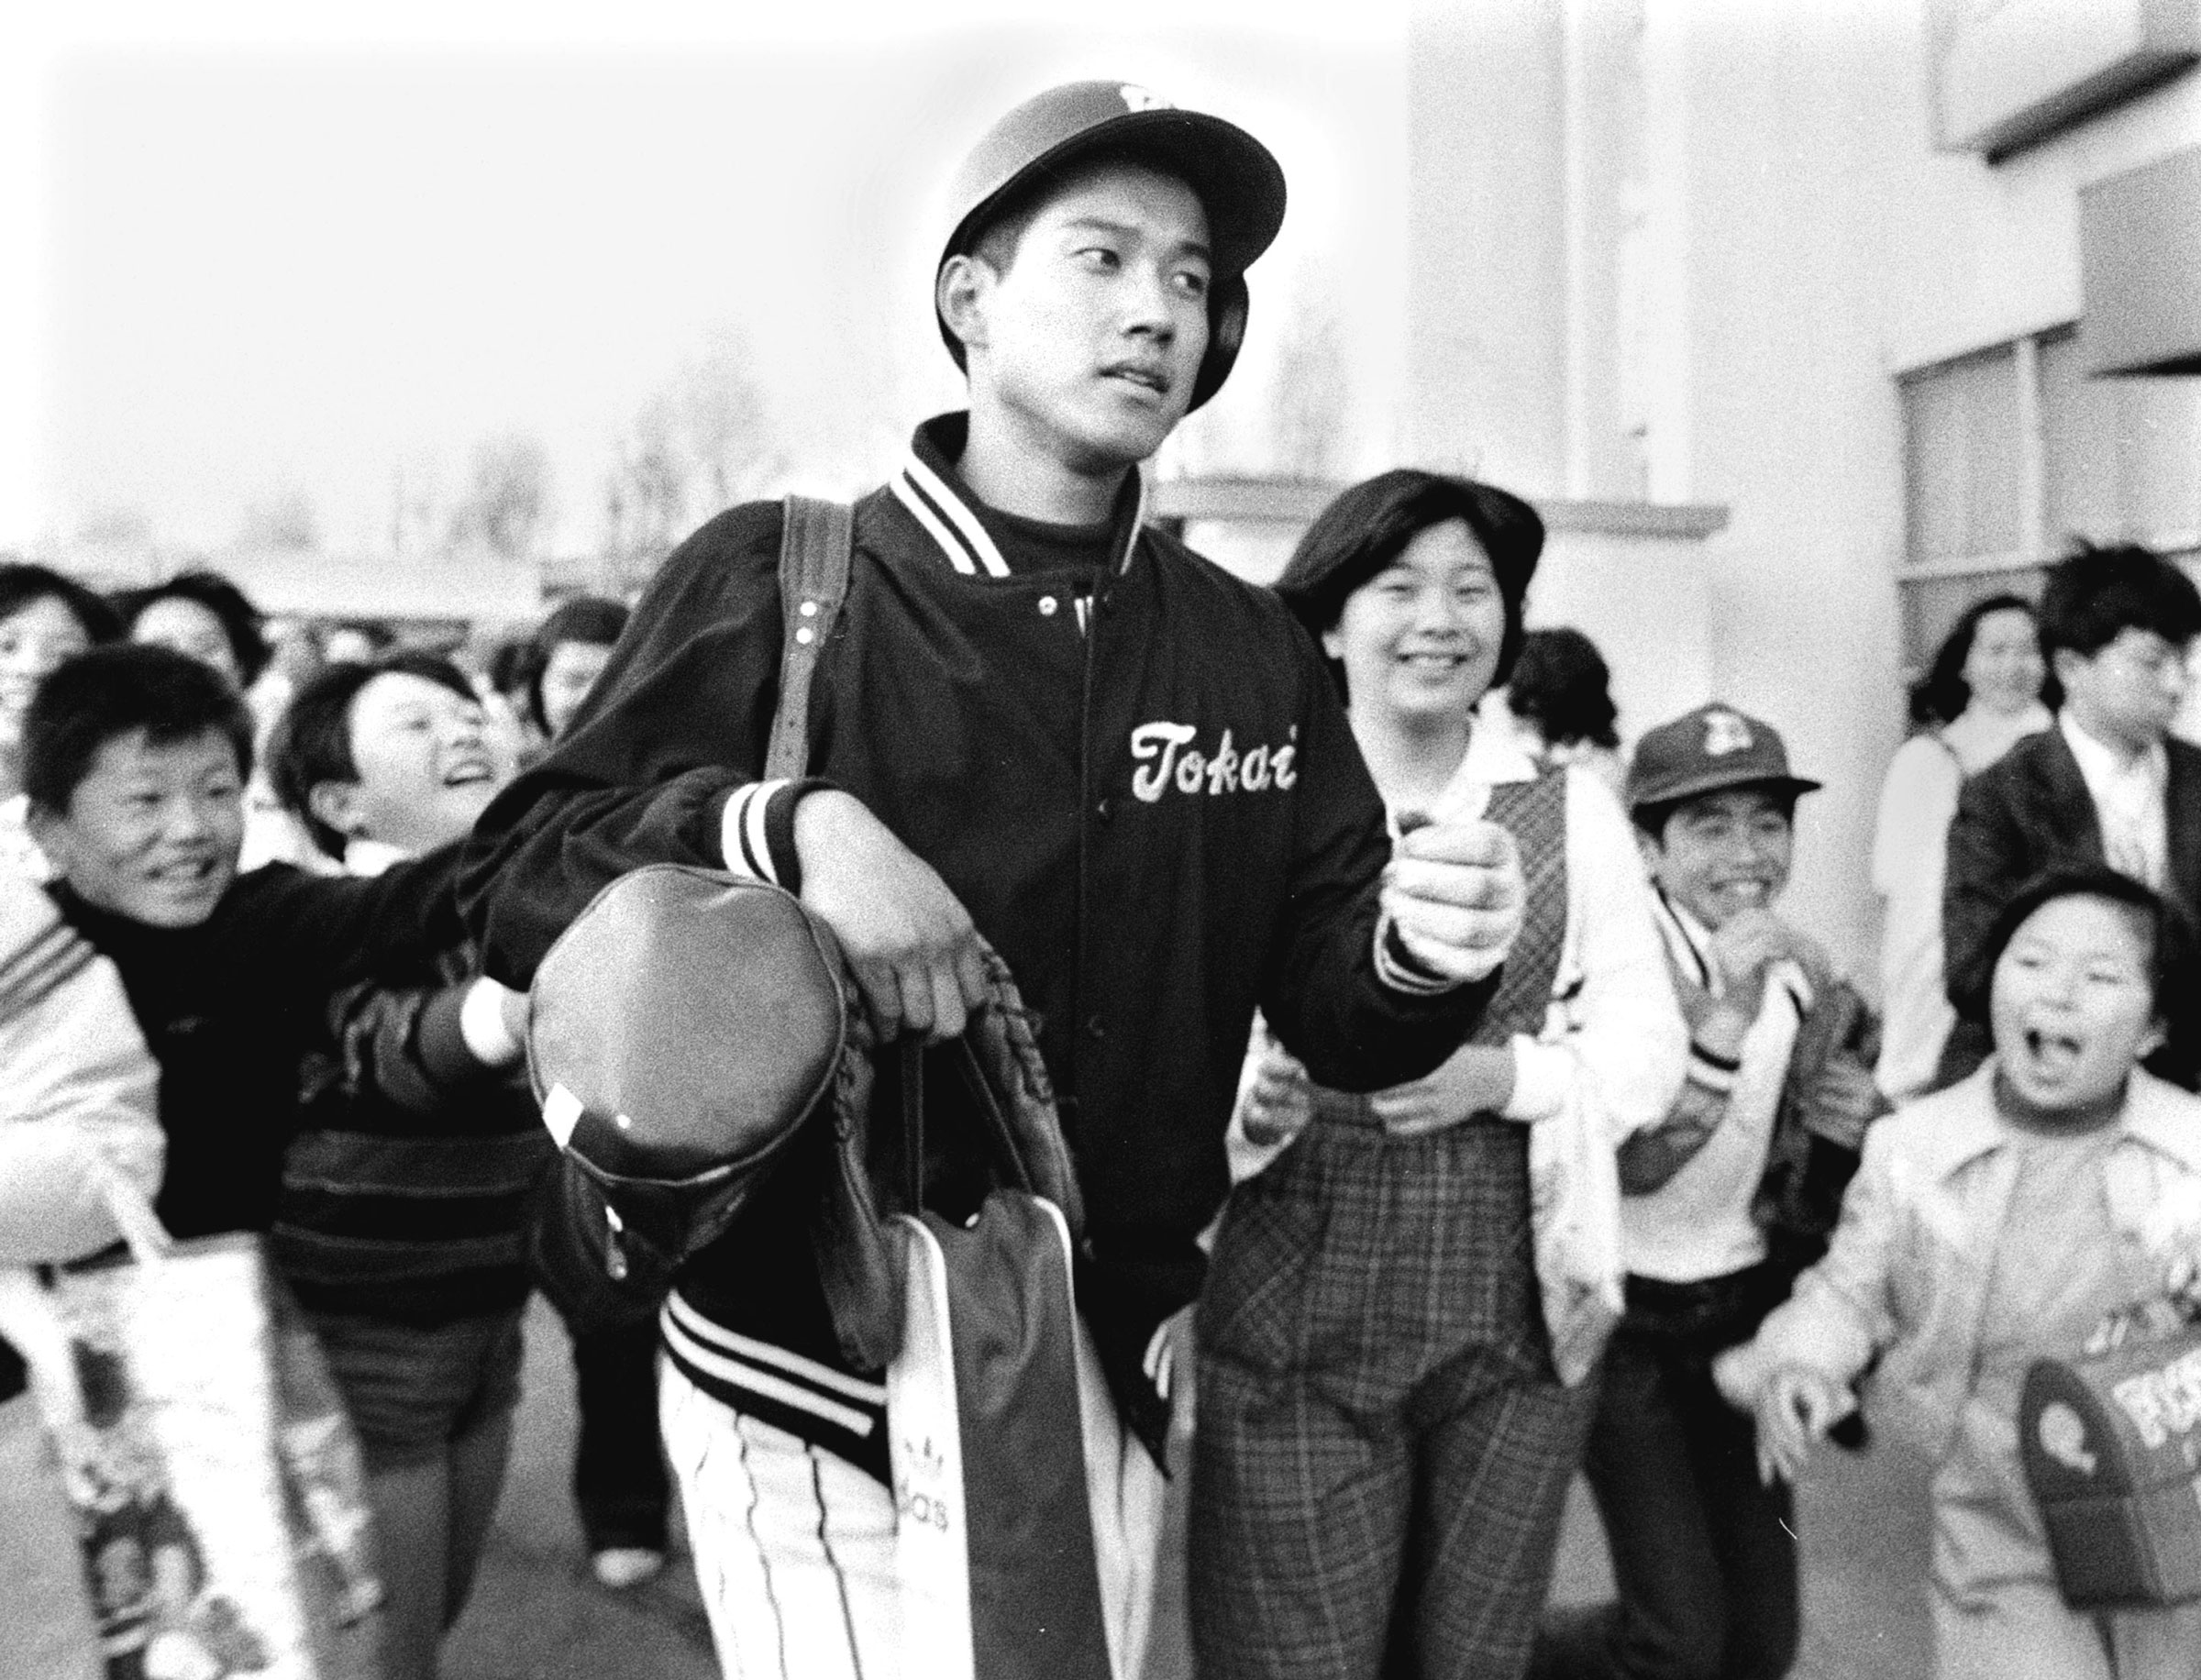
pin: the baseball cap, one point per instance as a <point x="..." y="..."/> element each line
<point x="1239" y="183"/>
<point x="1707" y="750"/>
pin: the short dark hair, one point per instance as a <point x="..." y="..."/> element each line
<point x="311" y="743"/>
<point x="1941" y="694"/>
<point x="242" y="623"/>
<point x="585" y="618"/>
<point x="2171" y="952"/>
<point x="1562" y="684"/>
<point x="589" y="619"/>
<point x="1365" y="529"/>
<point x="116" y="690"/>
<point x="512" y="664"/>
<point x="21" y="583"/>
<point x="997" y="239"/>
<point x="1652" y="820"/>
<point x="2094" y="595"/>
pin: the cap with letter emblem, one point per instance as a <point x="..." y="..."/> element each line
<point x="1706" y="751"/>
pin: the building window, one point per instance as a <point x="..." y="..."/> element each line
<point x="2011" y="452"/>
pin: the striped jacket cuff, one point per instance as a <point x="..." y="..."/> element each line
<point x="757" y="829"/>
<point x="1401" y="969"/>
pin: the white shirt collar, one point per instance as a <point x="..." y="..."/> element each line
<point x="1691" y="944"/>
<point x="371" y="857"/>
<point x="1980" y="737"/>
<point x="2101" y="763"/>
<point x="1492" y="757"/>
<point x="1493" y="754"/>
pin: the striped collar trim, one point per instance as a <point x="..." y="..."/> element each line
<point x="1690" y="946"/>
<point x="939" y="506"/>
<point x="947" y="519"/>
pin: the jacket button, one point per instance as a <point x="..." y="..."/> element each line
<point x="1094" y="1030"/>
<point x="1047" y="606"/>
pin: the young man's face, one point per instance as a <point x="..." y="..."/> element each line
<point x="2071" y="1004"/>
<point x="152" y="832"/>
<point x="1724" y="853"/>
<point x="1090" y="341"/>
<point x="426" y="762"/>
<point x="1421" y="640"/>
<point x="2125" y="692"/>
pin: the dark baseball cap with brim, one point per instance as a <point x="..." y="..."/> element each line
<point x="1709" y="751"/>
<point x="680" y="1032"/>
<point x="1240" y="183"/>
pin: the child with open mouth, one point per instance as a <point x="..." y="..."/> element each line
<point x="1991" y="1224"/>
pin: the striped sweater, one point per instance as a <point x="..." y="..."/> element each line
<point x="408" y="1191"/>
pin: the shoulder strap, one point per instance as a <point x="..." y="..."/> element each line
<point x="815" y="544"/>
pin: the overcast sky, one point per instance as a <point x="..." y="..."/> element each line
<point x="266" y="258"/>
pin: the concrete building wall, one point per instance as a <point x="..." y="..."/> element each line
<point x="1795" y="119"/>
<point x="1679" y="251"/>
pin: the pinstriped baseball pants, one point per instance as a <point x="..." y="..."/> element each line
<point x="795" y="1547"/>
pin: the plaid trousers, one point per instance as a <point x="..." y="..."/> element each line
<point x="1382" y="1449"/>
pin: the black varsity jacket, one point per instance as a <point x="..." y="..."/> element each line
<point x="1139" y="782"/>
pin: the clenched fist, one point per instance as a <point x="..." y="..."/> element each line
<point x="1454" y="890"/>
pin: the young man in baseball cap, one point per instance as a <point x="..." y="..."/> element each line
<point x="1723" y="1205"/>
<point x="1044" y="727"/>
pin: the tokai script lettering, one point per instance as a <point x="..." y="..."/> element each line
<point x="1169" y="760"/>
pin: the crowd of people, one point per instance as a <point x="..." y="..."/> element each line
<point x="1456" y="1104"/>
<point x="257" y="837"/>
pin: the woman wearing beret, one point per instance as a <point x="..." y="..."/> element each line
<point x="1410" y="1289"/>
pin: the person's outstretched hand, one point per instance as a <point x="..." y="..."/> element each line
<point x="910" y="941"/>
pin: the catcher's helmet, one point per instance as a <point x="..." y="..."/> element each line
<point x="1239" y="184"/>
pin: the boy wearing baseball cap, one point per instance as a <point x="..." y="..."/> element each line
<point x="1044" y="728"/>
<point x="1722" y="1205"/>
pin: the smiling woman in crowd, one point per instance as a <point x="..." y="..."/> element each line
<point x="1411" y="1293"/>
<point x="1980" y="698"/>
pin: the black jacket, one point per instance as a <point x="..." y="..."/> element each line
<point x="228" y="1007"/>
<point x="2028" y="811"/>
<point x="1139" y="782"/>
